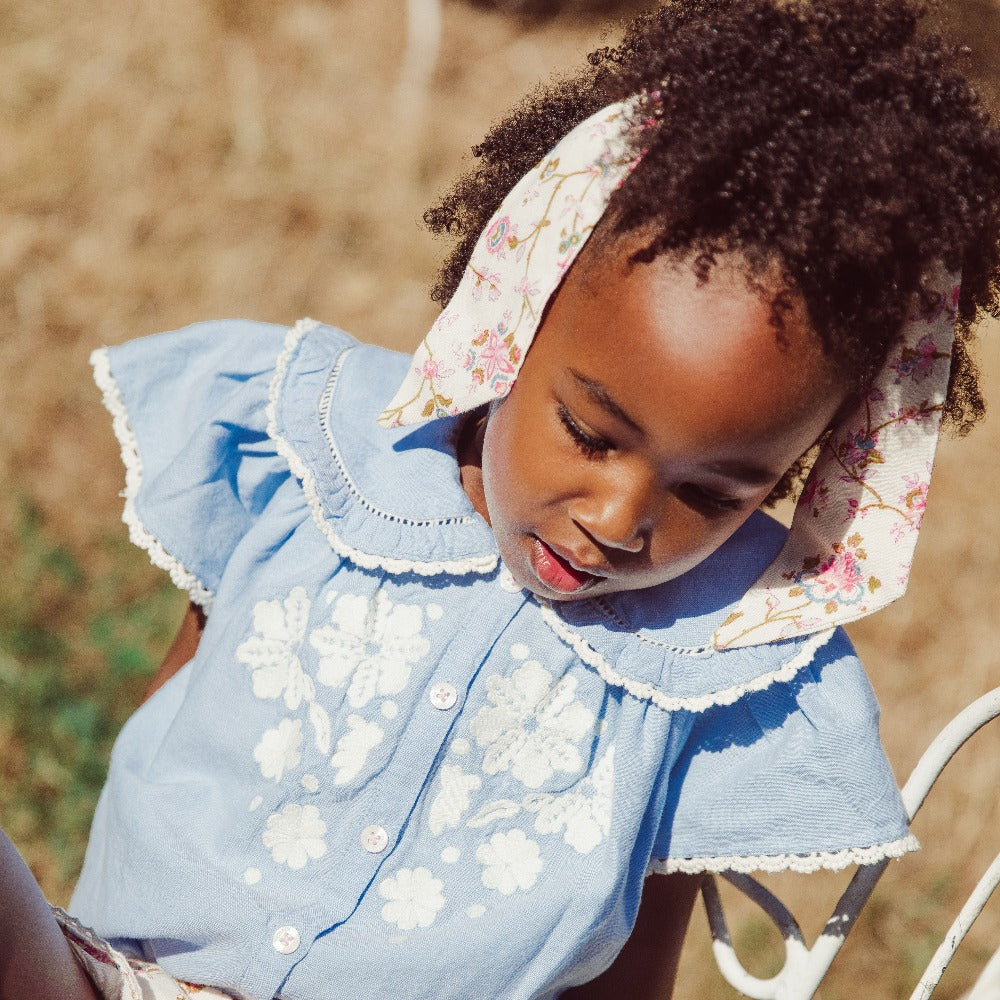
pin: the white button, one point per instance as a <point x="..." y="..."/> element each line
<point x="374" y="839"/>
<point x="443" y="696"/>
<point x="286" y="940"/>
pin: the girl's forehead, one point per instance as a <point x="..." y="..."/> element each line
<point x="644" y="340"/>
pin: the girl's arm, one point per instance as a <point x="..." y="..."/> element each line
<point x="184" y="646"/>
<point x="646" y="967"/>
<point x="35" y="958"/>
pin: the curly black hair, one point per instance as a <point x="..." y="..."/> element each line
<point x="836" y="139"/>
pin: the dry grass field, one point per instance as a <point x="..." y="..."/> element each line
<point x="163" y="163"/>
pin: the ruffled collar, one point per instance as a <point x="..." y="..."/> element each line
<point x="386" y="499"/>
<point x="391" y="500"/>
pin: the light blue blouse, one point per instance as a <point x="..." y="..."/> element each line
<point x="391" y="772"/>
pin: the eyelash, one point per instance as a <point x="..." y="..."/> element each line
<point x="596" y="448"/>
<point x="712" y="501"/>
<point x="590" y="446"/>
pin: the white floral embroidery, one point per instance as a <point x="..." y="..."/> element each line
<point x="373" y="642"/>
<point x="452" y="799"/>
<point x="493" y="811"/>
<point x="510" y="862"/>
<point x="586" y="819"/>
<point x="415" y="897"/>
<point x="321" y="725"/>
<point x="353" y="748"/>
<point x="295" y="835"/>
<point x="278" y="749"/>
<point x="273" y="653"/>
<point x="532" y="726"/>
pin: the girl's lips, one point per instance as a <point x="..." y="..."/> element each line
<point x="555" y="573"/>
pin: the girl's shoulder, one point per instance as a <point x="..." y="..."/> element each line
<point x="224" y="423"/>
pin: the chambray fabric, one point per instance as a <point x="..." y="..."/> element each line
<point x="368" y="662"/>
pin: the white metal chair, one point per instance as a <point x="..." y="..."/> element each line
<point x="804" y="966"/>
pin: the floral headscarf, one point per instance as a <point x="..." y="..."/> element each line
<point x="855" y="526"/>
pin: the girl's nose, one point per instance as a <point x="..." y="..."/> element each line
<point x="616" y="517"/>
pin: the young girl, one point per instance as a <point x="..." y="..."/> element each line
<point x="491" y="652"/>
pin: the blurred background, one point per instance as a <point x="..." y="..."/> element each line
<point x="165" y="163"/>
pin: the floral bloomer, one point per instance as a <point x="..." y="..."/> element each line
<point x="387" y="762"/>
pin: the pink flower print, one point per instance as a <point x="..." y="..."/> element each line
<point x="501" y="237"/>
<point x="855" y="512"/>
<point x="571" y="203"/>
<point x="917" y="363"/>
<point x="860" y="450"/>
<point x="495" y="355"/>
<point x="815" y="495"/>
<point x="837" y="580"/>
<point x="432" y="370"/>
<point x="915" y="498"/>
<point x="912" y="505"/>
<point x="527" y="288"/>
<point x="488" y="281"/>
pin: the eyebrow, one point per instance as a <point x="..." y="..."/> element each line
<point x="601" y="395"/>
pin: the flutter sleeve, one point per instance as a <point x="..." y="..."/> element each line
<point x="190" y="413"/>
<point x="789" y="777"/>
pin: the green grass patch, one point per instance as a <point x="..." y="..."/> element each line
<point x="73" y="667"/>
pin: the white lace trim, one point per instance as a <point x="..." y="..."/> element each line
<point x="702" y="651"/>
<point x="803" y="863"/>
<point x="138" y="533"/>
<point x="672" y="703"/>
<point x="366" y="560"/>
<point x="352" y="487"/>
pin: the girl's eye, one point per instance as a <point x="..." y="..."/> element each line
<point x="699" y="496"/>
<point x="592" y="447"/>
